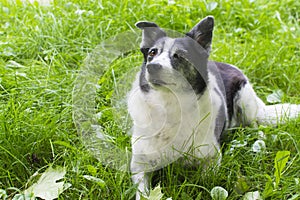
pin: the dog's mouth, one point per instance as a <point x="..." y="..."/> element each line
<point x="157" y="82"/>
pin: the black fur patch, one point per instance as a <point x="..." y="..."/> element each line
<point x="233" y="80"/>
<point x="191" y="61"/>
<point x="189" y="71"/>
<point x="144" y="85"/>
<point x="220" y="121"/>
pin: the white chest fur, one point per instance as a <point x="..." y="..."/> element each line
<point x="168" y="124"/>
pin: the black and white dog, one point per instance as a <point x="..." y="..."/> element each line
<point x="181" y="103"/>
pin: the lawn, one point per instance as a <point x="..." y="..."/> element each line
<point x="49" y="53"/>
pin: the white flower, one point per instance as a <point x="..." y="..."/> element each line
<point x="258" y="146"/>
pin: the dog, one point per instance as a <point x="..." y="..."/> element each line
<point x="181" y="103"/>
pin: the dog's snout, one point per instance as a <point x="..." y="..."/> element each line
<point x="153" y="67"/>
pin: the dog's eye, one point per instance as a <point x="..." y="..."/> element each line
<point x="176" y="55"/>
<point x="152" y="52"/>
<point x="179" y="54"/>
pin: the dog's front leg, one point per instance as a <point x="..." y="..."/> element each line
<point x="142" y="180"/>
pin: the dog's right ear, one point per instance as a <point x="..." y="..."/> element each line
<point x="151" y="33"/>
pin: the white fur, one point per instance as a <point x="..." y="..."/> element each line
<point x="250" y="104"/>
<point x="255" y="110"/>
<point x="278" y="114"/>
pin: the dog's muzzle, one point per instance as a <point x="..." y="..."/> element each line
<point x="154" y="74"/>
<point x="153" y="68"/>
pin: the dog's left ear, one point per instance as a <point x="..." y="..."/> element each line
<point x="203" y="32"/>
<point x="151" y="33"/>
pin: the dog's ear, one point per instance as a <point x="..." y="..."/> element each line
<point x="203" y="32"/>
<point x="151" y="33"/>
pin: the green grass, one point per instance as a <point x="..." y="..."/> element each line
<point x="42" y="50"/>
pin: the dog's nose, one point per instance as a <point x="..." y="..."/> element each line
<point x="153" y="67"/>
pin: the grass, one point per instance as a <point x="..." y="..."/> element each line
<point x="42" y="50"/>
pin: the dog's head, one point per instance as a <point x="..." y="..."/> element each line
<point x="177" y="63"/>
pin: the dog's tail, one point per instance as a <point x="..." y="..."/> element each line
<point x="277" y="114"/>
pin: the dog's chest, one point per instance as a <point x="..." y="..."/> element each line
<point x="167" y="121"/>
